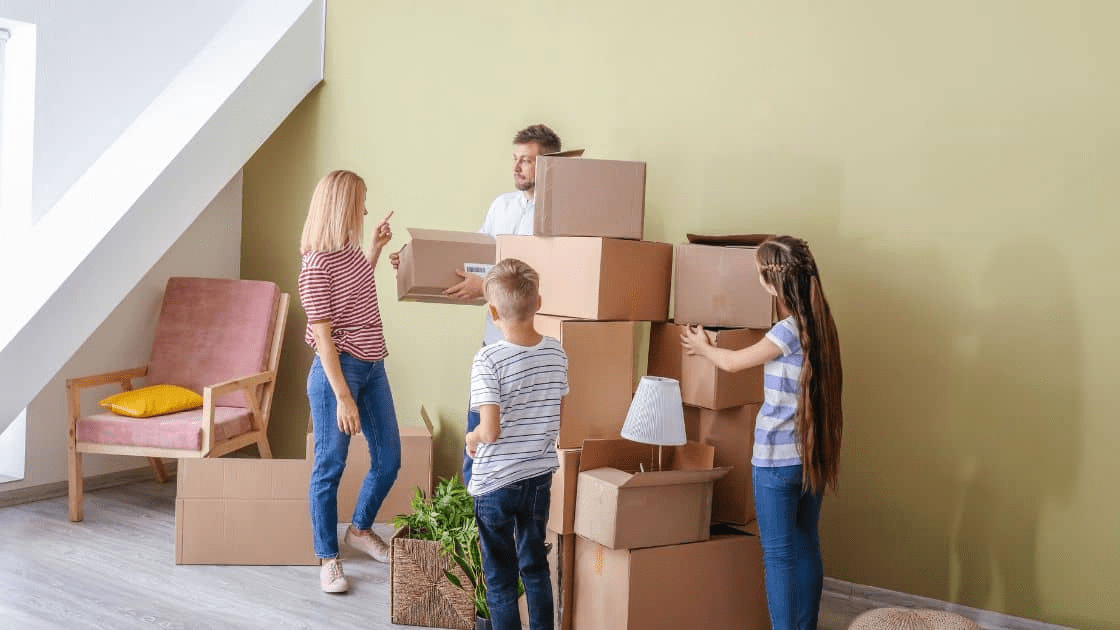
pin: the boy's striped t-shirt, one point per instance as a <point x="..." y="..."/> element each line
<point x="338" y="287"/>
<point x="527" y="384"/>
<point x="775" y="433"/>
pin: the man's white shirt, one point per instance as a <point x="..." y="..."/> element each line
<point x="510" y="213"/>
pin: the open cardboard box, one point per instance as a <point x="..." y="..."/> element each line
<point x="576" y="196"/>
<point x="626" y="498"/>
<point x="428" y="263"/>
<point x="731" y="432"/>
<point x="415" y="472"/>
<point x="715" y="584"/>
<point x="597" y="278"/>
<point x="243" y="511"/>
<point x="600" y="376"/>
<point x="716" y="283"/>
<point x="702" y="383"/>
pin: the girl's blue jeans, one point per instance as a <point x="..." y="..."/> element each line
<point x="369" y="385"/>
<point x="788" y="521"/>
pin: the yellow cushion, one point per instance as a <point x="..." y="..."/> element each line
<point x="154" y="400"/>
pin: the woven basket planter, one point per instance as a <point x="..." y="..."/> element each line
<point x="911" y="619"/>
<point x="419" y="593"/>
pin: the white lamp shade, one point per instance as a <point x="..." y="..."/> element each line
<point x="656" y="414"/>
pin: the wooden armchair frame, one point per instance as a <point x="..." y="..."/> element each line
<point x="256" y="388"/>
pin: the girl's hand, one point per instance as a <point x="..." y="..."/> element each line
<point x="382" y="234"/>
<point x="348" y="420"/>
<point x="695" y="341"/>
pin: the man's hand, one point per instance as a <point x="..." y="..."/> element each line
<point x="395" y="259"/>
<point x="469" y="289"/>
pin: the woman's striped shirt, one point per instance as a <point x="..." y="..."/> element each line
<point x="338" y="287"/>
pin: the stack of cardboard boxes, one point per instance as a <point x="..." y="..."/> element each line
<point x="632" y="533"/>
<point x="717" y="287"/>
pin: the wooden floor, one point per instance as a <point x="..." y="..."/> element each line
<point x="116" y="571"/>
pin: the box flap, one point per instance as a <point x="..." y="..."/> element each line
<point x="427" y="421"/>
<point x="673" y="477"/>
<point x="450" y="235"/>
<point x="618" y="453"/>
<point x="732" y="240"/>
<point x="693" y="456"/>
<point x="569" y="153"/>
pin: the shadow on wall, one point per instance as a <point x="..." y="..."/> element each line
<point x="1023" y="439"/>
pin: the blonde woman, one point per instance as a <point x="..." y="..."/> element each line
<point x="347" y="386"/>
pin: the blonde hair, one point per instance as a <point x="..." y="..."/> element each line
<point x="334" y="220"/>
<point x="511" y="286"/>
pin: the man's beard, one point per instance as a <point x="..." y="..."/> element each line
<point x="524" y="186"/>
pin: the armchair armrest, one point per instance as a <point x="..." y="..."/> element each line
<point x="234" y="384"/>
<point x="95" y="380"/>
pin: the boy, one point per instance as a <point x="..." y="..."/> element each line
<point x="516" y="387"/>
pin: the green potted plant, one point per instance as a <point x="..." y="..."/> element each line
<point x="448" y="519"/>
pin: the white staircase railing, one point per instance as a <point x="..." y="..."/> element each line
<point x="79" y="261"/>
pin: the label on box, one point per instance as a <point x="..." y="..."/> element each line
<point x="478" y="269"/>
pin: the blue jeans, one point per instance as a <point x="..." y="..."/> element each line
<point x="369" y="385"/>
<point x="511" y="526"/>
<point x="473" y="420"/>
<point x="788" y="521"/>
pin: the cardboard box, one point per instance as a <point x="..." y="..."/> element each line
<point x="622" y="507"/>
<point x="243" y="511"/>
<point x="597" y="278"/>
<point x="718" y="286"/>
<point x="600" y="376"/>
<point x="561" y="562"/>
<point x="581" y="197"/>
<point x="731" y="432"/>
<point x="716" y="584"/>
<point x="415" y="472"/>
<point x="702" y="383"/>
<point x="428" y="263"/>
<point x="562" y="511"/>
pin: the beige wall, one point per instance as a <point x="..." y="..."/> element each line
<point x="952" y="164"/>
<point x="209" y="248"/>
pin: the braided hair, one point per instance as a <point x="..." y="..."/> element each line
<point x="785" y="263"/>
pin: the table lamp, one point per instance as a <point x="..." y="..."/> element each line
<point x="656" y="415"/>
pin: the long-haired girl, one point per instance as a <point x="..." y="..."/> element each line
<point x="798" y="429"/>
<point x="347" y="386"/>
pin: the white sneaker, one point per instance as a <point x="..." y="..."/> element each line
<point x="331" y="577"/>
<point x="367" y="542"/>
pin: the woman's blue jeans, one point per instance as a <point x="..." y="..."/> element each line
<point x="788" y="521"/>
<point x="369" y="385"/>
<point x="511" y="528"/>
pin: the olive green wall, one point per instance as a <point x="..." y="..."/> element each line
<point x="953" y="165"/>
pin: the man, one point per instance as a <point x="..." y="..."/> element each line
<point x="510" y="213"/>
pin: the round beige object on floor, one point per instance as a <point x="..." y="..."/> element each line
<point x="911" y="619"/>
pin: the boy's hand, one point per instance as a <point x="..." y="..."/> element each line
<point x="469" y="289"/>
<point x="395" y="260"/>
<point x="472" y="443"/>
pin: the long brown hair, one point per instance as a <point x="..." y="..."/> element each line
<point x="785" y="263"/>
<point x="334" y="220"/>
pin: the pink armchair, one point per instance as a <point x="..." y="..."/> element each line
<point x="218" y="337"/>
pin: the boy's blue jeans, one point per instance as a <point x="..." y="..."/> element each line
<point x="369" y="385"/>
<point x="788" y="521"/>
<point x="511" y="526"/>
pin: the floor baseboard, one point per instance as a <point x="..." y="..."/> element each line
<point x="873" y="597"/>
<point x="96" y="482"/>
